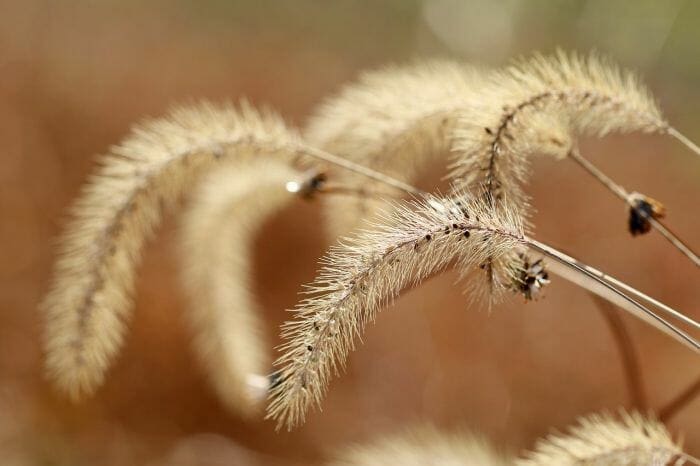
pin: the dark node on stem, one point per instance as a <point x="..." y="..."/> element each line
<point x="275" y="379"/>
<point x="532" y="278"/>
<point x="466" y="233"/>
<point x="312" y="183"/>
<point x="644" y="208"/>
<point x="462" y="209"/>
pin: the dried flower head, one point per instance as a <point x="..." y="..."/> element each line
<point x="533" y="277"/>
<point x="641" y="211"/>
<point x="218" y="230"/>
<point x="119" y="208"/>
<point x="602" y="440"/>
<point x="421" y="446"/>
<point x="364" y="273"/>
<point x="397" y="120"/>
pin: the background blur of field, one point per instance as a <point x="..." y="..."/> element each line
<point x="75" y="74"/>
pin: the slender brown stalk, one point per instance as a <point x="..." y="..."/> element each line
<point x="673" y="132"/>
<point x="628" y="353"/>
<point x="615" y="291"/>
<point x="362" y="193"/>
<point x="620" y="192"/>
<point x="361" y="169"/>
<point x="674" y="406"/>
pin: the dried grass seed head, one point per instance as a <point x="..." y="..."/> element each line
<point x="420" y="446"/>
<point x="539" y="105"/>
<point x="602" y="440"/>
<point x="365" y="273"/>
<point x="90" y="298"/>
<point x="396" y="120"/>
<point x="219" y="226"/>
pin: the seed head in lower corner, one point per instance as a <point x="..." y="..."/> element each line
<point x="643" y="209"/>
<point x="531" y="278"/>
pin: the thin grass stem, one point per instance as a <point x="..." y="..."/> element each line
<point x="628" y="353"/>
<point x="671" y="131"/>
<point x="620" y="192"/>
<point x="681" y="400"/>
<point x="362" y="170"/>
<point x="606" y="286"/>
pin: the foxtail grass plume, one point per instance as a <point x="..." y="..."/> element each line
<point x="218" y="232"/>
<point x="364" y="273"/>
<point x="120" y="206"/>
<point x="542" y="103"/>
<point x="398" y="120"/>
<point x="489" y="123"/>
<point x="422" y="446"/>
<point x="603" y="440"/>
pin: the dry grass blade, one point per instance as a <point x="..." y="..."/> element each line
<point x="421" y="446"/>
<point x="119" y="208"/>
<point x="619" y="293"/>
<point x="604" y="440"/>
<point x="364" y="273"/>
<point x="218" y="230"/>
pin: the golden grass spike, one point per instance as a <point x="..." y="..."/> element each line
<point x="397" y="120"/>
<point x="90" y="297"/>
<point x="363" y="274"/>
<point x="603" y="440"/>
<point x="572" y="94"/>
<point x="421" y="446"/>
<point x="218" y="231"/>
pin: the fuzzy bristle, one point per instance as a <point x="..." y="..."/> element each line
<point x="365" y="273"/>
<point x="90" y="297"/>
<point x="218" y="231"/>
<point x="422" y="446"/>
<point x="538" y="105"/>
<point x="604" y="440"/>
<point x="397" y="120"/>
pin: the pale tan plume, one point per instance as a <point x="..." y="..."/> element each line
<point x="397" y="120"/>
<point x="539" y="105"/>
<point x="488" y="122"/>
<point x="90" y="299"/>
<point x="363" y="274"/>
<point x="422" y="446"/>
<point x="604" y="440"/>
<point x="403" y="118"/>
<point x="218" y="232"/>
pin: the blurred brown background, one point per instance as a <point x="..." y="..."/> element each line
<point x="75" y="74"/>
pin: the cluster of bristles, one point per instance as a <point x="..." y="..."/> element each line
<point x="370" y="142"/>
